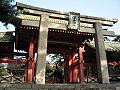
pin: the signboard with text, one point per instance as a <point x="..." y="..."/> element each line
<point x="74" y="21"/>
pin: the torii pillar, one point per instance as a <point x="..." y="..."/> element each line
<point x="102" y="67"/>
<point x="42" y="50"/>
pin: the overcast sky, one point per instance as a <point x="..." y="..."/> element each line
<point x="100" y="8"/>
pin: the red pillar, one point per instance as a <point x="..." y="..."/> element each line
<point x="73" y="65"/>
<point x="75" y="73"/>
<point x="31" y="49"/>
<point x="81" y="63"/>
<point x="30" y="71"/>
<point x="71" y="56"/>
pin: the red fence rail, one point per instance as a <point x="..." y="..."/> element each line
<point x="91" y="78"/>
<point x="27" y="73"/>
<point x="14" y="61"/>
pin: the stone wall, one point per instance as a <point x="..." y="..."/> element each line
<point x="60" y="87"/>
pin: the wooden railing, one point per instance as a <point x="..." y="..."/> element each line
<point x="89" y="77"/>
<point x="16" y="75"/>
<point x="11" y="78"/>
<point x="88" y="72"/>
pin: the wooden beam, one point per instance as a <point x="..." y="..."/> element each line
<point x="64" y="27"/>
<point x="100" y="18"/>
<point x="30" y="23"/>
<point x="51" y="20"/>
<point x="92" y="21"/>
<point x="43" y="12"/>
<point x="86" y="30"/>
<point x="57" y="26"/>
<point x="63" y="43"/>
<point x="108" y="33"/>
<point x="21" y="6"/>
<point x="24" y="6"/>
<point x="15" y="53"/>
<point x="83" y="18"/>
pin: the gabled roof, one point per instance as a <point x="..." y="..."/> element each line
<point x="6" y="37"/>
<point x="6" y="44"/>
<point x="109" y="46"/>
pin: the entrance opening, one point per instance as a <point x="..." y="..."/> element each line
<point x="54" y="68"/>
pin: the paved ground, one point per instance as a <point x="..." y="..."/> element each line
<point x="92" y="86"/>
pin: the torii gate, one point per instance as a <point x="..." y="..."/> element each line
<point x="49" y="23"/>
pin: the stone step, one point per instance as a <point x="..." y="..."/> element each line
<point x="60" y="87"/>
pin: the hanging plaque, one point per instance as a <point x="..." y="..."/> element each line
<point x="74" y="21"/>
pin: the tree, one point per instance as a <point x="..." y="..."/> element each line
<point x="56" y="58"/>
<point x="7" y="11"/>
<point x="57" y="70"/>
<point x="106" y="39"/>
<point x="117" y="38"/>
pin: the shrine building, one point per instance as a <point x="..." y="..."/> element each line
<point x="45" y="31"/>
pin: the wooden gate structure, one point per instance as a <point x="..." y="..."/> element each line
<point x="45" y="31"/>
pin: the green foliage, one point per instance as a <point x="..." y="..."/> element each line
<point x="7" y="11"/>
<point x="56" y="58"/>
<point x="56" y="74"/>
<point x="117" y="39"/>
<point x="3" y="71"/>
